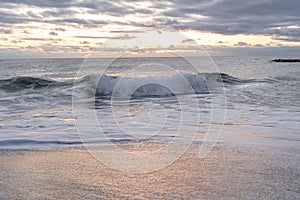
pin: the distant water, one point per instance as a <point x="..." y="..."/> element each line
<point x="262" y="97"/>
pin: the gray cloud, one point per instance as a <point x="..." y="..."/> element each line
<point x="113" y="8"/>
<point x="124" y="37"/>
<point x="288" y="39"/>
<point x="189" y="41"/>
<point x="258" y="45"/>
<point x="36" y="39"/>
<point x="241" y="44"/>
<point x="84" y="42"/>
<point x="235" y="17"/>
<point x="11" y="18"/>
<point x="53" y="33"/>
<point x="60" y="29"/>
<point x="48" y="3"/>
<point x="267" y="17"/>
<point x="6" y="31"/>
<point x="3" y="39"/>
<point x="59" y="13"/>
<point x="127" y="32"/>
<point x="31" y="14"/>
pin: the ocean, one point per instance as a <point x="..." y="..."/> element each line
<point x="53" y="103"/>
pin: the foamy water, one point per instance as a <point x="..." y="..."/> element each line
<point x="257" y="97"/>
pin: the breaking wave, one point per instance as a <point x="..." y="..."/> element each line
<point x="145" y="86"/>
<point x="22" y="83"/>
<point x="105" y="85"/>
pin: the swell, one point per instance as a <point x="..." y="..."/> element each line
<point x="105" y="85"/>
<point x="230" y="80"/>
<point x="162" y="86"/>
<point x="26" y="142"/>
<point x="22" y="83"/>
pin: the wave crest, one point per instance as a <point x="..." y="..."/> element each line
<point x="105" y="85"/>
<point x="22" y="83"/>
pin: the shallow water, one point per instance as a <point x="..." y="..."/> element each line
<point x="251" y="95"/>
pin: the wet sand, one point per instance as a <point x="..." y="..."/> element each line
<point x="228" y="172"/>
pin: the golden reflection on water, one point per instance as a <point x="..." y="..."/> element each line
<point x="67" y="120"/>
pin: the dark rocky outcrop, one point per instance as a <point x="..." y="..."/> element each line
<point x="285" y="60"/>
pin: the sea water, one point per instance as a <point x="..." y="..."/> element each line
<point x="145" y="99"/>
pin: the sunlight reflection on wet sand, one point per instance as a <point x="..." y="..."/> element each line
<point x="229" y="171"/>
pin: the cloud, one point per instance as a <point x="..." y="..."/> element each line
<point x="126" y="31"/>
<point x="31" y="14"/>
<point x="286" y="38"/>
<point x="113" y="8"/>
<point x="189" y="41"/>
<point x="6" y="31"/>
<point x="59" y="13"/>
<point x="234" y="16"/>
<point x="47" y="4"/>
<point x="278" y="19"/>
<point x="258" y="45"/>
<point x="84" y="42"/>
<point x="241" y="44"/>
<point x="53" y="33"/>
<point x="36" y="39"/>
<point x="16" y="41"/>
<point x="124" y="37"/>
<point x="222" y="16"/>
<point x="60" y="29"/>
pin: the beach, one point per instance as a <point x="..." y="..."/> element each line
<point x="170" y="100"/>
<point x="51" y="122"/>
<point x="229" y="171"/>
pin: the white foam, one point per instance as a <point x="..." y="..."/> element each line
<point x="182" y="83"/>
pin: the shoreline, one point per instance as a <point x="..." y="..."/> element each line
<point x="229" y="171"/>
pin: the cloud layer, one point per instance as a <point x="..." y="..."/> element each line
<point x="272" y="17"/>
<point x="277" y="19"/>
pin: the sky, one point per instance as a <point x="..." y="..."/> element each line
<point x="78" y="28"/>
